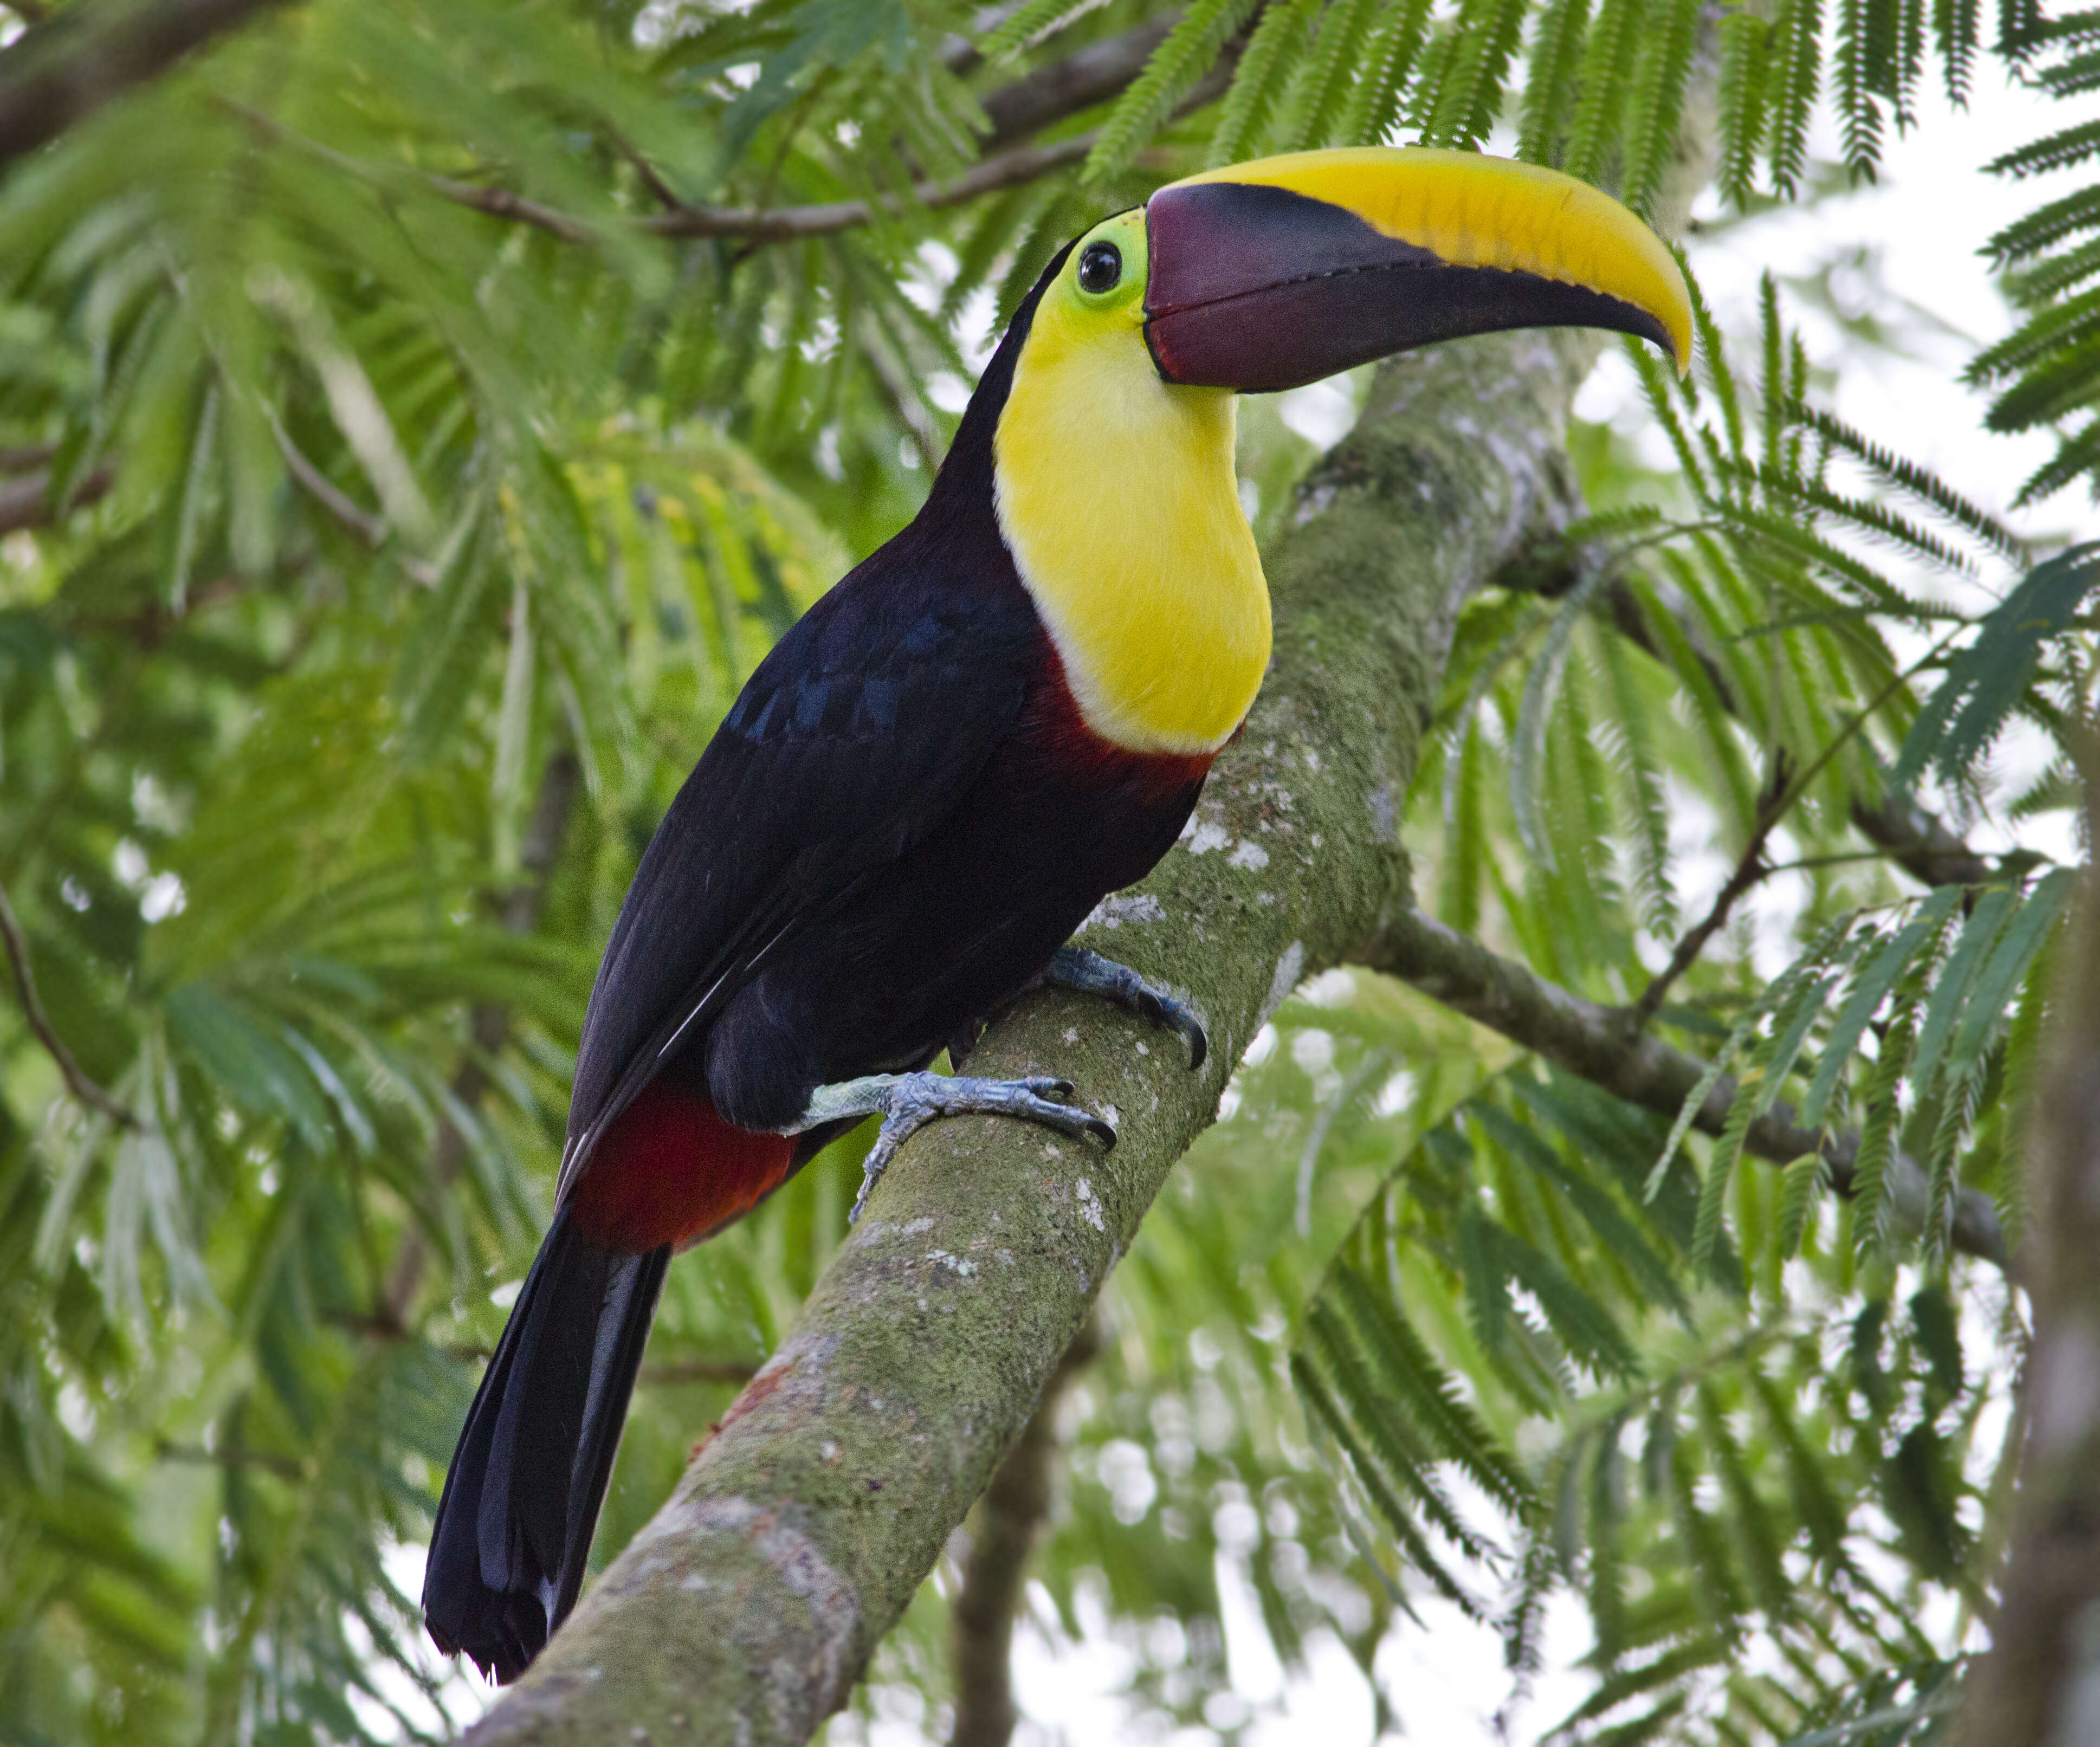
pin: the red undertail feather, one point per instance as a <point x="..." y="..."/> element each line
<point x="670" y="1171"/>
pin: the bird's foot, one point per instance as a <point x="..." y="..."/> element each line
<point x="1090" y="974"/>
<point x="907" y="1102"/>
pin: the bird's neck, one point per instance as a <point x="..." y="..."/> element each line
<point x="1117" y="496"/>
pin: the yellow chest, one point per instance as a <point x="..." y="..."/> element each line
<point x="1118" y="498"/>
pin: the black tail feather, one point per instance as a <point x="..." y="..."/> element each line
<point x="514" y="1528"/>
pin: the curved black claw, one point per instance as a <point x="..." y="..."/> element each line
<point x="1090" y="974"/>
<point x="1165" y="1010"/>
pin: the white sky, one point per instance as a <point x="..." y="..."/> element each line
<point x="1920" y="227"/>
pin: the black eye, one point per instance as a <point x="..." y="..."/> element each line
<point x="1100" y="265"/>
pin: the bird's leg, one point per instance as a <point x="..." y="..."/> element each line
<point x="907" y="1102"/>
<point x="1090" y="974"/>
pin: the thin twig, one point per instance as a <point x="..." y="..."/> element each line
<point x="755" y="225"/>
<point x="1750" y="868"/>
<point x="1592" y="1041"/>
<point x="284" y="1466"/>
<point x="33" y="1009"/>
<point x="652" y="178"/>
<point x="779" y="224"/>
<point x="25" y="501"/>
<point x="370" y="528"/>
<point x="374" y="530"/>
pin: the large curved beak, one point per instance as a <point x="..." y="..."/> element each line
<point x="1274" y="274"/>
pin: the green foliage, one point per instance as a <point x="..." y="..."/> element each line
<point x="1719" y="1490"/>
<point x="1992" y="676"/>
<point x="385" y="560"/>
<point x="2046" y="373"/>
<point x="1739" y="1368"/>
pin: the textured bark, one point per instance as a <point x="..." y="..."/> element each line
<point x="59" y="71"/>
<point x="2040" y="1685"/>
<point x="747" y="1609"/>
<point x="1002" y="1532"/>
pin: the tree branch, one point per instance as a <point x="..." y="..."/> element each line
<point x="1598" y="1043"/>
<point x="748" y="1608"/>
<point x="1088" y="75"/>
<point x="58" y="72"/>
<point x="756" y="225"/>
<point x="76" y="1077"/>
<point x="753" y="224"/>
<point x="25" y="500"/>
<point x="781" y="224"/>
<point x="2040" y="1684"/>
<point x="1002" y="1533"/>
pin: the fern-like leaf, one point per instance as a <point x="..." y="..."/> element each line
<point x="1658" y="104"/>
<point x="1927" y="486"/>
<point x="1549" y="85"/>
<point x="1742" y="100"/>
<point x="1374" y="101"/>
<point x="1797" y="61"/>
<point x="1986" y="680"/>
<point x="1617" y="29"/>
<point x="1259" y="79"/>
<point x="1190" y="50"/>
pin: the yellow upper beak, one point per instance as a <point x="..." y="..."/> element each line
<point x="1282" y="271"/>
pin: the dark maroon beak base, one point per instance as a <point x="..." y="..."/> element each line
<point x="1259" y="289"/>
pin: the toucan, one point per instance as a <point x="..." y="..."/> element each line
<point x="1003" y="715"/>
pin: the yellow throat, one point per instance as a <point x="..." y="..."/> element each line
<point x="1118" y="497"/>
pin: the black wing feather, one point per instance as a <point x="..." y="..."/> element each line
<point x="855" y="739"/>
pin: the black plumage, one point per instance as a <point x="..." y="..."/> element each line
<point x="899" y="822"/>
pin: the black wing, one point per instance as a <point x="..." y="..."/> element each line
<point x="855" y="738"/>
